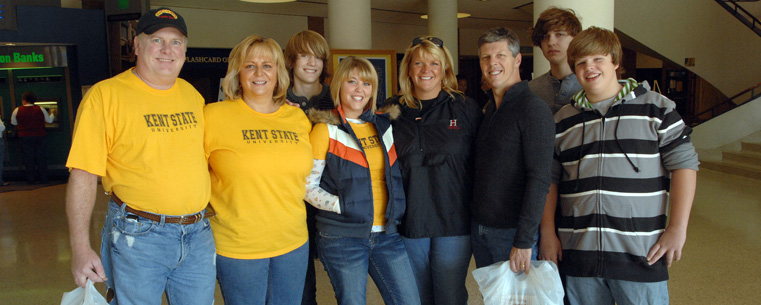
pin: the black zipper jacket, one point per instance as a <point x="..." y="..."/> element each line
<point x="434" y="148"/>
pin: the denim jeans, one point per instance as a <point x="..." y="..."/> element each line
<point x="144" y="258"/>
<point x="492" y="245"/>
<point x="348" y="260"/>
<point x="440" y="265"/>
<point x="275" y="280"/>
<point x="599" y="291"/>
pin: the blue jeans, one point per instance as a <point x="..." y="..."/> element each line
<point x="440" y="265"/>
<point x="144" y="258"/>
<point x="348" y="261"/>
<point x="492" y="245"/>
<point x="599" y="291"/>
<point x="275" y="280"/>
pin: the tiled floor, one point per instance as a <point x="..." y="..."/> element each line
<point x="720" y="265"/>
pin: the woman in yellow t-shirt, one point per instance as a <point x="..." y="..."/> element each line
<point x="259" y="157"/>
<point x="357" y="187"/>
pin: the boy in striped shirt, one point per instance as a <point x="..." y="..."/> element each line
<point x="621" y="152"/>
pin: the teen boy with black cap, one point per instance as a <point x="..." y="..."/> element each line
<point x="142" y="131"/>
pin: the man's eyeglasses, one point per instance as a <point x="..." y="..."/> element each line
<point x="435" y="40"/>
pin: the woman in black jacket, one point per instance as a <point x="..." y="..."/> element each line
<point x="433" y="142"/>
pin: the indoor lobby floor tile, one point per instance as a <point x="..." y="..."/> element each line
<point x="720" y="263"/>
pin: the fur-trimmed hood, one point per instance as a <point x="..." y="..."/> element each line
<point x="393" y="110"/>
<point x="335" y="116"/>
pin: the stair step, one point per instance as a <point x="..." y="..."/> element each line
<point x="751" y="147"/>
<point x="733" y="168"/>
<point x="745" y="157"/>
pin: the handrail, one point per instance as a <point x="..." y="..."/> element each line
<point x="745" y="91"/>
<point x="737" y="6"/>
<point x="744" y="18"/>
<point x="695" y="119"/>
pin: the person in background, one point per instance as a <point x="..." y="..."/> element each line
<point x="434" y="137"/>
<point x="306" y="59"/>
<point x="616" y="244"/>
<point x="30" y="120"/>
<point x="142" y="131"/>
<point x="513" y="155"/>
<point x="357" y="187"/>
<point x="462" y="83"/>
<point x="259" y="158"/>
<point x="553" y="31"/>
<point x="482" y="96"/>
<point x="2" y="152"/>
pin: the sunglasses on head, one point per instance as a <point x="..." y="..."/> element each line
<point x="435" y="40"/>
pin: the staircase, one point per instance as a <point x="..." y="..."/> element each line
<point x="741" y="14"/>
<point x="744" y="162"/>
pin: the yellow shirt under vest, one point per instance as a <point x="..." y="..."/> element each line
<point x="259" y="163"/>
<point x="368" y="138"/>
<point x="146" y="143"/>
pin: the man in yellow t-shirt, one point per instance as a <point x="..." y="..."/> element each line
<point x="142" y="131"/>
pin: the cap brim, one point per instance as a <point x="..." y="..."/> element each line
<point x="152" y="29"/>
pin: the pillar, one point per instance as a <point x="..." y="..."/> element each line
<point x="442" y="23"/>
<point x="350" y="24"/>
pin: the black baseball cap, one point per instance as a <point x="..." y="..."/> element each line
<point x="160" y="18"/>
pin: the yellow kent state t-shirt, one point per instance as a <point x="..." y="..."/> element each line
<point x="259" y="163"/>
<point x="147" y="144"/>
<point x="368" y="138"/>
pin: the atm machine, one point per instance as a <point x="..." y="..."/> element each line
<point x="49" y="71"/>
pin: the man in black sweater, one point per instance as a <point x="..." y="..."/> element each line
<point x="513" y="158"/>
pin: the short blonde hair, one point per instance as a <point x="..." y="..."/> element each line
<point x="307" y="42"/>
<point x="427" y="48"/>
<point x="594" y="41"/>
<point x="255" y="44"/>
<point x="366" y="73"/>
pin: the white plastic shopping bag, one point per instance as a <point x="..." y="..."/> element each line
<point x="501" y="286"/>
<point x="83" y="296"/>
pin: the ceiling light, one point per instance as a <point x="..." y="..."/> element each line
<point x="459" y="15"/>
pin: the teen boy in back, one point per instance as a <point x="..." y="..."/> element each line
<point x="553" y="32"/>
<point x="619" y="150"/>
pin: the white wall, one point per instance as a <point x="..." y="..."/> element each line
<point x="728" y="127"/>
<point x="727" y="54"/>
<point x="397" y="37"/>
<point x="225" y="29"/>
<point x="469" y="37"/>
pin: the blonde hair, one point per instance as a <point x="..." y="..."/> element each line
<point x="307" y="42"/>
<point x="255" y="44"/>
<point x="427" y="48"/>
<point x="366" y="73"/>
